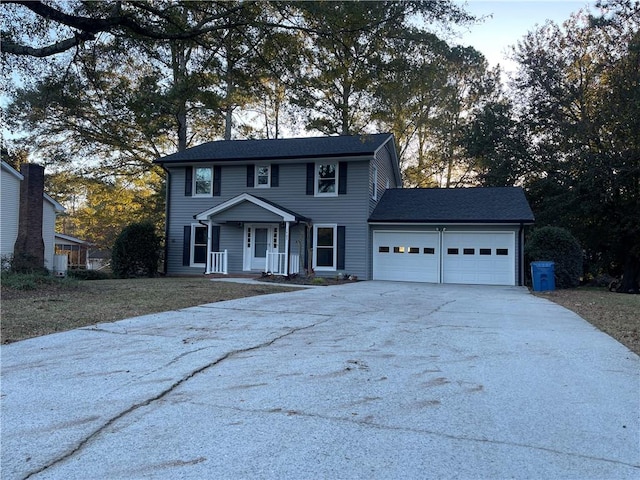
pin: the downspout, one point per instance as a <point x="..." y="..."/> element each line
<point x="167" y="204"/>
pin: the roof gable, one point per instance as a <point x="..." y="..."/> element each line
<point x="281" y="149"/>
<point x="286" y="214"/>
<point x="455" y="205"/>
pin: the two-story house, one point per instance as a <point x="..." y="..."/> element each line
<point x="333" y="205"/>
<point x="28" y="215"/>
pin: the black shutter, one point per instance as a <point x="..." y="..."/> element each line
<point x="215" y="238"/>
<point x="275" y="175"/>
<point x="217" y="174"/>
<point x="188" y="181"/>
<point x="341" y="242"/>
<point x="186" y="246"/>
<point x="311" y="170"/>
<point x="250" y="172"/>
<point x="342" y="178"/>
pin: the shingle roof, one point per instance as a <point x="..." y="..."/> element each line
<point x="454" y="205"/>
<point x="289" y="148"/>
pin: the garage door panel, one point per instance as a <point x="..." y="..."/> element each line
<point x="406" y="256"/>
<point x="486" y="258"/>
<point x="479" y="258"/>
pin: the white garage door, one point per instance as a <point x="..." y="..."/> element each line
<point x="479" y="258"/>
<point x="406" y="256"/>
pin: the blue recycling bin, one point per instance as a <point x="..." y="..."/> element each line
<point x="543" y="276"/>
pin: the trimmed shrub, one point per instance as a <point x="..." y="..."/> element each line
<point x="33" y="281"/>
<point x="557" y="245"/>
<point x="136" y="251"/>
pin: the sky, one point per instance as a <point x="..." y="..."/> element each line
<point x="509" y="21"/>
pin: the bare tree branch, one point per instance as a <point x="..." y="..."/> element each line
<point x="88" y="27"/>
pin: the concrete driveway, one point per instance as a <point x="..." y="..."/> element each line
<point x="372" y="380"/>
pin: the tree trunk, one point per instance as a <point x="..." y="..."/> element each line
<point x="228" y="122"/>
<point x="345" y="127"/>
<point x="630" y="282"/>
<point x="179" y="60"/>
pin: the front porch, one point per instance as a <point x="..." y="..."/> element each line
<point x="250" y="234"/>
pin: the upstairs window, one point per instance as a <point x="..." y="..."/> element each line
<point x="325" y="179"/>
<point x="326" y="176"/>
<point x="263" y="176"/>
<point x="203" y="181"/>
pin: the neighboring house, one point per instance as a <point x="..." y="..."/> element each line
<point x="99" y="259"/>
<point x="333" y="205"/>
<point x="76" y="250"/>
<point x="14" y="191"/>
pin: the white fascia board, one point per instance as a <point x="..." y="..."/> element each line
<point x="56" y="206"/>
<point x="395" y="159"/>
<point x="9" y="169"/>
<point x="70" y="239"/>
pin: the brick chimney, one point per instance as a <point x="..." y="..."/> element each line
<point x="28" y="251"/>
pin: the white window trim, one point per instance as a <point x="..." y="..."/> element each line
<point x="195" y="190"/>
<point x="256" y="184"/>
<point x="334" y="226"/>
<point x="317" y="180"/>
<point x="374" y="183"/>
<point x="192" y="247"/>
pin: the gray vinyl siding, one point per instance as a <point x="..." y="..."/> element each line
<point x="384" y="165"/>
<point x="10" y="211"/>
<point x="232" y="240"/>
<point x="455" y="228"/>
<point x="350" y="210"/>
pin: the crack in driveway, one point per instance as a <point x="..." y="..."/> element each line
<point x="366" y="422"/>
<point x="84" y="442"/>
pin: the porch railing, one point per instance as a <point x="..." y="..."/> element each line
<point x="276" y="264"/>
<point x="218" y="262"/>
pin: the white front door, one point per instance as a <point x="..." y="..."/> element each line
<point x="259" y="239"/>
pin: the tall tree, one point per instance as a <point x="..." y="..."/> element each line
<point x="410" y="91"/>
<point x="460" y="82"/>
<point x="349" y="44"/>
<point x="578" y="90"/>
<point x="496" y="144"/>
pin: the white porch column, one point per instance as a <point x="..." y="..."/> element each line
<point x="286" y="248"/>
<point x="209" y="245"/>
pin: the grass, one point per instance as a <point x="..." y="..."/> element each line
<point x="616" y="314"/>
<point x="31" y="308"/>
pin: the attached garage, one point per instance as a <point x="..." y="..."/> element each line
<point x="466" y="236"/>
